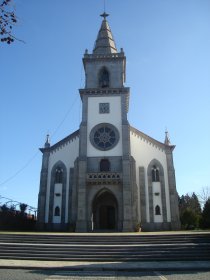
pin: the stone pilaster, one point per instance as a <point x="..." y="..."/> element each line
<point x="127" y="196"/>
<point x="81" y="224"/>
<point x="43" y="189"/>
<point x="175" y="220"/>
<point x="142" y="195"/>
<point x="70" y="200"/>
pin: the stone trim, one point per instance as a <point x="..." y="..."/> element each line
<point x="95" y="192"/>
<point x="71" y="179"/>
<point x="104" y="91"/>
<point x="81" y="223"/>
<point x="107" y="92"/>
<point x="173" y="196"/>
<point x="43" y="189"/>
<point x="90" y="57"/>
<point x="98" y="127"/>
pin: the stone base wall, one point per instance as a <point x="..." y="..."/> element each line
<point x="54" y="227"/>
<point x="167" y="226"/>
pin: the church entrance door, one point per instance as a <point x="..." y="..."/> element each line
<point x="105" y="211"/>
<point x="107" y="217"/>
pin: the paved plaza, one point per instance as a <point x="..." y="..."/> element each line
<point x="14" y="274"/>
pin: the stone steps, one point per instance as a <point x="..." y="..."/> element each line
<point x="105" y="248"/>
<point x="100" y="239"/>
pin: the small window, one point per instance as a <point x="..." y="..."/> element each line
<point x="57" y="211"/>
<point x="155" y="174"/>
<point x="104" y="78"/>
<point x="104" y="165"/>
<point x="58" y="175"/>
<point x="157" y="210"/>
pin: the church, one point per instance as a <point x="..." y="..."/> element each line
<point x="107" y="175"/>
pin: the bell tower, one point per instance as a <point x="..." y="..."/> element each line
<point x="105" y="140"/>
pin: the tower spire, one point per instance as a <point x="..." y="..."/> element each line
<point x="105" y="43"/>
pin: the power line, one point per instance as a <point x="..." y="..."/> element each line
<point x="65" y="117"/>
<point x="20" y="170"/>
<point x="35" y="155"/>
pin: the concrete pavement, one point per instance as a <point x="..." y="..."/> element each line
<point x="106" y="266"/>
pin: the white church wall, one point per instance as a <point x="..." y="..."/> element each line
<point x="113" y="117"/>
<point x="143" y="152"/>
<point x="67" y="153"/>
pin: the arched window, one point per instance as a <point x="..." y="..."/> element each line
<point x="58" y="175"/>
<point x="104" y="165"/>
<point x="57" y="211"/>
<point x="157" y="210"/>
<point x="155" y="174"/>
<point x="104" y="78"/>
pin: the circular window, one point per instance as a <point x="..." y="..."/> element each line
<point x="104" y="136"/>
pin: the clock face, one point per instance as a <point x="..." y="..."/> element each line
<point x="104" y="136"/>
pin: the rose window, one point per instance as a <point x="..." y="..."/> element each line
<point x="104" y="136"/>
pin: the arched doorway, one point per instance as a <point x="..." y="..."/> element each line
<point x="105" y="211"/>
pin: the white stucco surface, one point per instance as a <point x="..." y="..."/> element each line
<point x="113" y="117"/>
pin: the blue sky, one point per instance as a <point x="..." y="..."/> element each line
<point x="167" y="45"/>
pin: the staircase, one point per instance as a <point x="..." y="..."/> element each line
<point x="101" y="247"/>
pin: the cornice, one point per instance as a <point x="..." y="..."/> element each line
<point x="104" y="91"/>
<point x="90" y="57"/>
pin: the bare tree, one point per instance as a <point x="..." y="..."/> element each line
<point x="8" y="20"/>
<point x="204" y="195"/>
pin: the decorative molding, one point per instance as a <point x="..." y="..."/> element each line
<point x="104" y="134"/>
<point x="104" y="178"/>
<point x="104" y="56"/>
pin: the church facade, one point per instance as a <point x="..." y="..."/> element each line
<point x="107" y="176"/>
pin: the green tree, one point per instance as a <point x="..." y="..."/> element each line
<point x="204" y="195"/>
<point x="190" y="211"/>
<point x="195" y="204"/>
<point x="23" y="207"/>
<point x="206" y="215"/>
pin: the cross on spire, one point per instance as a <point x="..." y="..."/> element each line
<point x="104" y="15"/>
